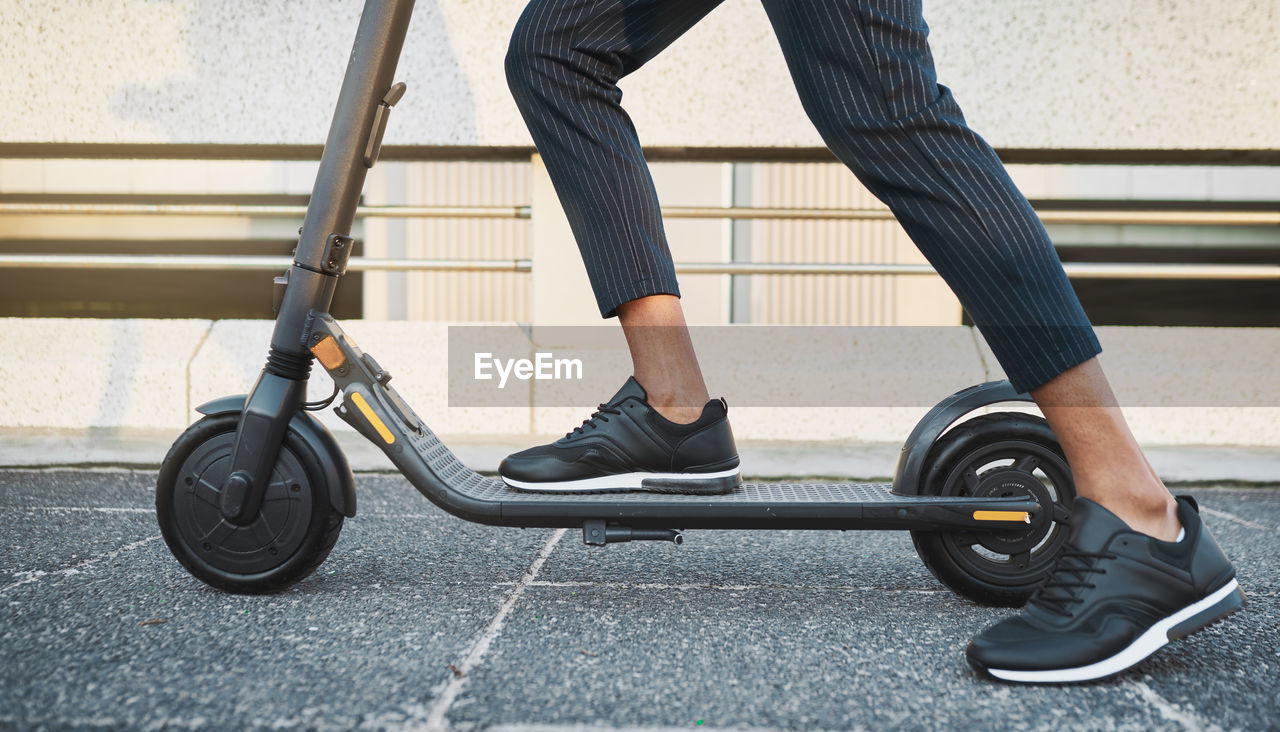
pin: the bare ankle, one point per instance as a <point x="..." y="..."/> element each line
<point x="678" y="413"/>
<point x="1153" y="515"/>
<point x="679" y="400"/>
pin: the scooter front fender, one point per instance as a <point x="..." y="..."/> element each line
<point x="332" y="461"/>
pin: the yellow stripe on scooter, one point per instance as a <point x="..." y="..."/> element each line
<point x="1022" y="516"/>
<point x="369" y="414"/>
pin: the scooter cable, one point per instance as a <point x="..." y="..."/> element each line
<point x="317" y="406"/>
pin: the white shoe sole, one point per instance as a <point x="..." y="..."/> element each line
<point x="657" y="482"/>
<point x="1218" y="605"/>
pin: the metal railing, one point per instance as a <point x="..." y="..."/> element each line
<point x="1050" y="216"/>
<point x="1077" y="270"/>
<point x="258" y="210"/>
<point x="249" y="262"/>
<point x="1080" y="270"/>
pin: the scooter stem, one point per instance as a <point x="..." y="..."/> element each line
<point x="355" y="136"/>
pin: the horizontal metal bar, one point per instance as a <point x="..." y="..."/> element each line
<point x="751" y="212"/>
<point x="1078" y="270"/>
<point x="248" y="263"/>
<point x="1052" y="216"/>
<point x="1163" y="218"/>
<point x="801" y="268"/>
<point x="364" y="264"/>
<point x="1121" y="271"/>
<point x="258" y="211"/>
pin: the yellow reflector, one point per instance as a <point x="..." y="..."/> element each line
<point x="369" y="414"/>
<point x="1022" y="516"/>
<point x="329" y="353"/>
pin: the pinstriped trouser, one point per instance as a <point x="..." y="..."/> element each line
<point x="865" y="75"/>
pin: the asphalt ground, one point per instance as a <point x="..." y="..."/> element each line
<point x="421" y="620"/>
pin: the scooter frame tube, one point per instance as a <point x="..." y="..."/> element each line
<point x="340" y="179"/>
<point x="312" y="280"/>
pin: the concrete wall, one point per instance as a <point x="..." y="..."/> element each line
<point x="1160" y="74"/>
<point x="1191" y="386"/>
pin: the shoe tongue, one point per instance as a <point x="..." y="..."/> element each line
<point x="1092" y="526"/>
<point x="630" y="389"/>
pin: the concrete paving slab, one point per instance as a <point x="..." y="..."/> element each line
<point x="102" y="510"/>
<point x="1232" y="683"/>
<point x="78" y="488"/>
<point x="363" y="641"/>
<point x="1246" y="523"/>
<point x="759" y="658"/>
<point x="749" y="630"/>
<point x="86" y="449"/>
<point x="79" y="649"/>
<point x="42" y="548"/>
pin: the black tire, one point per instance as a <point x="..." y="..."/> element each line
<point x="292" y="534"/>
<point x="1000" y="454"/>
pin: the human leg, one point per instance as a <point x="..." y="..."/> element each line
<point x="563" y="65"/>
<point x="1124" y="585"/>
<point x="865" y="75"/>
<point x="880" y="108"/>
<point x="663" y="357"/>
<point x="1106" y="462"/>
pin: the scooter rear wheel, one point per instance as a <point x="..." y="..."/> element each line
<point x="292" y="534"/>
<point x="1001" y="454"/>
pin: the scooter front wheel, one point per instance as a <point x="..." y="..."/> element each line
<point x="292" y="534"/>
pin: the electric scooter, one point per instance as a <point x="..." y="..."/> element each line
<point x="251" y="498"/>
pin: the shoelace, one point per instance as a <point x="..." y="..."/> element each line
<point x="1058" y="593"/>
<point x="600" y="415"/>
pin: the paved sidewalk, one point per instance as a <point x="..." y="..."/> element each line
<point x="766" y="460"/>
<point x="100" y="627"/>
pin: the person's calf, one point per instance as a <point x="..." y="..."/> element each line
<point x="662" y="356"/>
<point x="1106" y="462"/>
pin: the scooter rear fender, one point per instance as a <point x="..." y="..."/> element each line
<point x="915" y="451"/>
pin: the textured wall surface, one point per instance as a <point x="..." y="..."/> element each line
<point x="1179" y="386"/>
<point x="1029" y="73"/>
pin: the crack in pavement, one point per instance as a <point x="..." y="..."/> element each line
<point x="440" y="708"/>
<point x="37" y="575"/>
<point x="1188" y="720"/>
<point x="663" y="586"/>
<point x="1235" y="518"/>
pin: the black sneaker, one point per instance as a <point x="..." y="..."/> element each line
<point x="627" y="446"/>
<point x="1115" y="597"/>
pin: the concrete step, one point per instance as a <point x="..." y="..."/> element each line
<point x="1177" y="464"/>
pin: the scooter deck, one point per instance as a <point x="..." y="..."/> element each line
<point x="381" y="415"/>
<point x="788" y="505"/>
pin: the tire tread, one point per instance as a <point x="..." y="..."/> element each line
<point x="949" y="449"/>
<point x="268" y="583"/>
